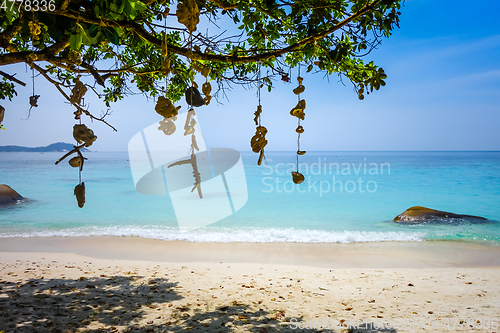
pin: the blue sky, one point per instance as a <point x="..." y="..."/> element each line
<point x="442" y="93"/>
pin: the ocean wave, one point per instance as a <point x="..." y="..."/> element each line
<point x="227" y="235"/>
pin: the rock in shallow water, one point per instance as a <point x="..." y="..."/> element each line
<point x="8" y="195"/>
<point x="423" y="214"/>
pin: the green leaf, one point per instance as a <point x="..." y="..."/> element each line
<point x="129" y="9"/>
<point x="99" y="37"/>
<point x="86" y="39"/>
<point x="122" y="6"/>
<point x="9" y="13"/>
<point x="113" y="7"/>
<point x="93" y="30"/>
<point x="46" y="18"/>
<point x="139" y="6"/>
<point x="75" y="41"/>
<point x="112" y="35"/>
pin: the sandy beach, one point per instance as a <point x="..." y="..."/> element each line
<point x="124" y="284"/>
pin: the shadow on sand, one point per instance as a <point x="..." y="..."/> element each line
<point x="128" y="303"/>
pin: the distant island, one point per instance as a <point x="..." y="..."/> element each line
<point x="55" y="147"/>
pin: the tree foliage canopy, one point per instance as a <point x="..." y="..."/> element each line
<point x="129" y="46"/>
<point x="156" y="47"/>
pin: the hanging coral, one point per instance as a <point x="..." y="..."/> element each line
<point x="2" y="113"/>
<point x="167" y="125"/>
<point x="205" y="71"/>
<point x="83" y="134"/>
<point x="298" y="110"/>
<point x="300" y="89"/>
<point x="78" y="114"/>
<point x="35" y="29"/>
<point x="189" y="129"/>
<point x="188" y="14"/>
<point x="78" y="92"/>
<point x="257" y="115"/>
<point x="34" y="100"/>
<point x="194" y="143"/>
<point x="80" y="194"/>
<point x="164" y="107"/>
<point x="258" y="142"/>
<point x="297" y="177"/>
<point x="206" y="89"/>
<point x="193" y="97"/>
<point x="76" y="161"/>
<point x="165" y="64"/>
<point x="74" y="57"/>
<point x="164" y="47"/>
<point x="190" y="122"/>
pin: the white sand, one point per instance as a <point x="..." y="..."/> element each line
<point x="67" y="292"/>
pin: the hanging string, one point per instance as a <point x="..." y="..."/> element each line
<point x="190" y="45"/>
<point x="33" y="79"/>
<point x="298" y="111"/>
<point x="258" y="90"/>
<point x="33" y="97"/>
<point x="258" y="141"/>
<point x="262" y="156"/>
<point x="191" y="60"/>
<point x="298" y="134"/>
<point x="258" y="81"/>
<point x="166" y="76"/>
<point x="192" y="122"/>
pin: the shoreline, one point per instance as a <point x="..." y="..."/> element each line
<point x="424" y="254"/>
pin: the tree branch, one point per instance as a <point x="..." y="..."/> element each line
<point x="57" y="47"/>
<point x="10" y="32"/>
<point x="257" y="24"/>
<point x="12" y="78"/>
<point x="195" y="55"/>
<point x="57" y="85"/>
<point x="222" y="5"/>
<point x="65" y="4"/>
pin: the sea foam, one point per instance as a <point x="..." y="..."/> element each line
<point x="226" y="235"/>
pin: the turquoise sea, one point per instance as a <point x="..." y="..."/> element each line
<point x="347" y="197"/>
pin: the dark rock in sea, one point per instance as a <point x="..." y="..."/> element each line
<point x="8" y="196"/>
<point x="418" y="214"/>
